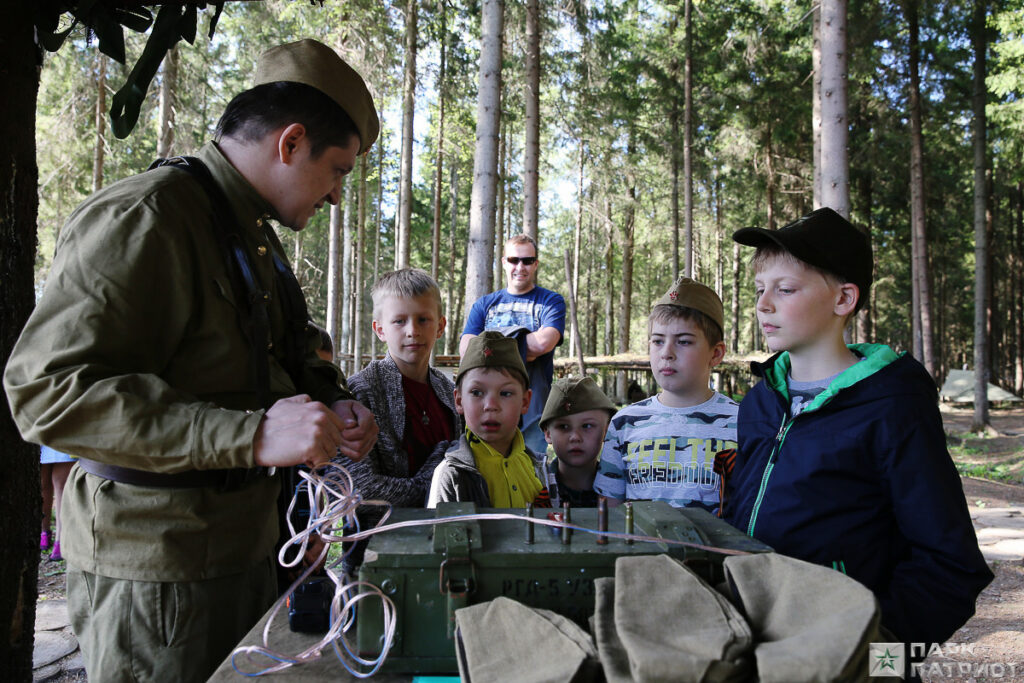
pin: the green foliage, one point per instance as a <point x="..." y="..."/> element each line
<point x="611" y="86"/>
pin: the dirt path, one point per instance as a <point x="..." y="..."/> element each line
<point x="990" y="647"/>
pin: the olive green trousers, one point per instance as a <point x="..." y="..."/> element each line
<point x="155" y="631"/>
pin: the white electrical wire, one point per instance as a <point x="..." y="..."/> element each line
<point x="333" y="502"/>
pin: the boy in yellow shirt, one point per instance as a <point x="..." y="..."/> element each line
<point x="490" y="465"/>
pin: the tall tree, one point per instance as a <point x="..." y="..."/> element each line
<point x="20" y="500"/>
<point x="816" y="103"/>
<point x="485" y="160"/>
<point x="981" y="251"/>
<point x="688" y="139"/>
<point x="168" y="88"/>
<point x="920" y="276"/>
<point x="626" y="289"/>
<point x="531" y="149"/>
<point x="435" y="241"/>
<point x="360" y="259"/>
<point x="403" y="233"/>
<point x="101" y="122"/>
<point x="334" y="281"/>
<point x="835" y="166"/>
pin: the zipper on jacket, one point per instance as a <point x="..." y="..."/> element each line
<point x="783" y="428"/>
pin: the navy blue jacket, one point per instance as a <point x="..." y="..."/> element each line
<point x="861" y="481"/>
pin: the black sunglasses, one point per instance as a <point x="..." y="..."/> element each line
<point x="525" y="260"/>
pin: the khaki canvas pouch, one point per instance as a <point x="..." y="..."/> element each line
<point x="503" y="640"/>
<point x="812" y="623"/>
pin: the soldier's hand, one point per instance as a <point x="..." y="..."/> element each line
<point x="297" y="430"/>
<point x="360" y="430"/>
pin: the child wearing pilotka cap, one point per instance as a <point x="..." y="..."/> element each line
<point x="663" y="447"/>
<point x="574" y="422"/>
<point x="490" y="465"/>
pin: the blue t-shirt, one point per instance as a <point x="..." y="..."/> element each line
<point x="505" y="313"/>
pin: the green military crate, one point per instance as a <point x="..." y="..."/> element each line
<point x="430" y="571"/>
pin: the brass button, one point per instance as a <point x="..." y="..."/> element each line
<point x="270" y="346"/>
<point x="261" y="250"/>
<point x="259" y="222"/>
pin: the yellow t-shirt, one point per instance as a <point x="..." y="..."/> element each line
<point x="511" y="481"/>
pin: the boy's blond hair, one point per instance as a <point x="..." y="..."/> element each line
<point x="404" y="283"/>
<point x="770" y="252"/>
<point x="666" y="313"/>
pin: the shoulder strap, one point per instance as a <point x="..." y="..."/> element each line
<point x="254" y="299"/>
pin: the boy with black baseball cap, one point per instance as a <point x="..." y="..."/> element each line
<point x="842" y="457"/>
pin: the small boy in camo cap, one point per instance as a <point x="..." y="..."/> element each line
<point x="574" y="422"/>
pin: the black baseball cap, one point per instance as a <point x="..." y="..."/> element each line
<point x="825" y="240"/>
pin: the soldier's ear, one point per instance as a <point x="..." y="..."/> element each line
<point x="289" y="141"/>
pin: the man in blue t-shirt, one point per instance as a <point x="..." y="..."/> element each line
<point x="534" y="316"/>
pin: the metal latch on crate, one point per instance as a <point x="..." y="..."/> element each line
<point x="457" y="573"/>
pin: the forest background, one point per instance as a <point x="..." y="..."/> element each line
<point x="612" y="190"/>
<point x="657" y="129"/>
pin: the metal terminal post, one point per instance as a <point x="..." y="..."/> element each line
<point x="566" y="518"/>
<point x="602" y="519"/>
<point x="629" y="522"/>
<point x="529" y="525"/>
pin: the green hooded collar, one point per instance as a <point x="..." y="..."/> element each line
<point x="875" y="357"/>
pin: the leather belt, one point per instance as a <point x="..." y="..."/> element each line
<point x="223" y="479"/>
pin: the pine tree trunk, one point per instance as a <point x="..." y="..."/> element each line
<point x="609" y="302"/>
<point x="673" y="153"/>
<point x="626" y="290"/>
<point x="168" y="86"/>
<point x="435" y="241"/>
<point x="453" y="332"/>
<point x="360" y="258"/>
<point x="576" y="245"/>
<point x="402" y="247"/>
<point x="485" y="160"/>
<point x="816" y="103"/>
<point x="531" y="93"/>
<point x="345" y="275"/>
<point x="20" y="500"/>
<point x="769" y="180"/>
<point x="923" y="341"/>
<point x="835" y="165"/>
<point x="101" y="122"/>
<point x="499" y="221"/>
<point x="735" y="303"/>
<point x="981" y="251"/>
<point x="688" y="141"/>
<point x="379" y="221"/>
<point x="719" y="260"/>
<point x="334" y="293"/>
<point x="1018" y="351"/>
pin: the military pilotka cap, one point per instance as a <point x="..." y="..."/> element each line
<point x="571" y="395"/>
<point x="314" y="64"/>
<point x="492" y="349"/>
<point x="688" y="293"/>
<point x="825" y="240"/>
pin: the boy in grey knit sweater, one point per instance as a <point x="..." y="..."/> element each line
<point x="412" y="402"/>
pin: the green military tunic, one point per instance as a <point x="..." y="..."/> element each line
<point x="136" y="356"/>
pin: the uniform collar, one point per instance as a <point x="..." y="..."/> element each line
<point x="251" y="209"/>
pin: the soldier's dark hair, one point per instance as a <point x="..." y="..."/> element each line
<point x="255" y="112"/>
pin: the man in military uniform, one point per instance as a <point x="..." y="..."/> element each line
<point x="146" y="358"/>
